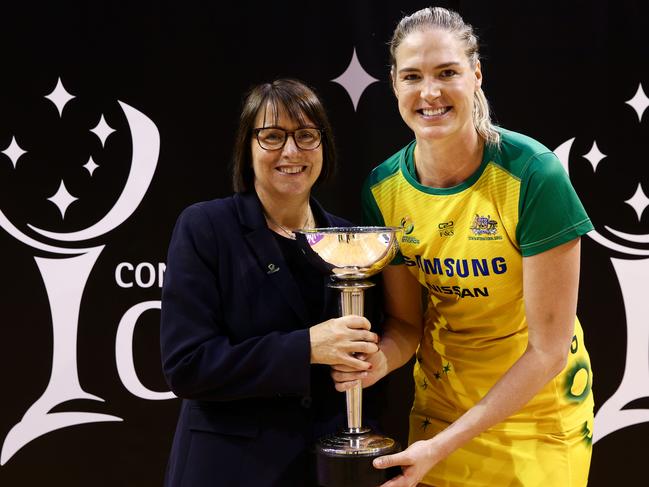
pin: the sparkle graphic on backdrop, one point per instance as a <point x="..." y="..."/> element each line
<point x="639" y="102"/>
<point x="62" y="199"/>
<point x="60" y="97"/>
<point x="631" y="274"/>
<point x="13" y="152"/>
<point x="355" y="79"/>
<point x="66" y="273"/>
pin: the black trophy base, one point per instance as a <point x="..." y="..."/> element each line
<point x="346" y="460"/>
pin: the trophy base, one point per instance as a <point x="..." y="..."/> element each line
<point x="345" y="459"/>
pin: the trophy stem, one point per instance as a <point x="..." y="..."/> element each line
<point x="349" y="255"/>
<point x="351" y="303"/>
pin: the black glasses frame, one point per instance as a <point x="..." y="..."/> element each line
<point x="286" y="136"/>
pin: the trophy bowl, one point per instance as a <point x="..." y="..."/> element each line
<point x="350" y="255"/>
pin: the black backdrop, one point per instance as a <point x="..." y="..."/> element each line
<point x="83" y="400"/>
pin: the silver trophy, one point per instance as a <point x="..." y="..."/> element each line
<point x="351" y="255"/>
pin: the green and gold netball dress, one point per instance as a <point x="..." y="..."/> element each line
<point x="466" y="245"/>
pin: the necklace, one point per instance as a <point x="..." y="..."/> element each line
<point x="289" y="233"/>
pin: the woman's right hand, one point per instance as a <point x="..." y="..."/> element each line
<point x="346" y="377"/>
<point x="335" y="341"/>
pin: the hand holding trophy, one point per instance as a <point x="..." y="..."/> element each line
<point x="351" y="255"/>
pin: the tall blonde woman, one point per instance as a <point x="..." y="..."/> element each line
<point x="492" y="232"/>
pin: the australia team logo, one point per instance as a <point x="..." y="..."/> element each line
<point x="484" y="228"/>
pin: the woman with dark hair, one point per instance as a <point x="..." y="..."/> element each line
<point x="492" y="229"/>
<point x="247" y="329"/>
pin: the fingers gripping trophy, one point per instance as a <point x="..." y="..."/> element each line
<point x="351" y="255"/>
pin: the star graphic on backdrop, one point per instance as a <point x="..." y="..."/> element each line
<point x="355" y="79"/>
<point x="62" y="199"/>
<point x="638" y="201"/>
<point x="437" y="375"/>
<point x="60" y="97"/>
<point x="447" y="368"/>
<point x="594" y="156"/>
<point x="102" y="130"/>
<point x="639" y="102"/>
<point x="90" y="166"/>
<point x="14" y="151"/>
<point x="424" y="384"/>
<point x="425" y="423"/>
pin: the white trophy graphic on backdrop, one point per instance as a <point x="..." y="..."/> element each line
<point x="66" y="274"/>
<point x="632" y="275"/>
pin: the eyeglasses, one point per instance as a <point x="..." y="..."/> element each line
<point x="273" y="138"/>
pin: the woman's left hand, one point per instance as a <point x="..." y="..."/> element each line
<point x="415" y="461"/>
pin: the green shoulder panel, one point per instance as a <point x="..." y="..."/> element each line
<point x="515" y="152"/>
<point x="549" y="210"/>
<point x="371" y="214"/>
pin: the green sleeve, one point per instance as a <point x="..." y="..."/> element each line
<point x="550" y="212"/>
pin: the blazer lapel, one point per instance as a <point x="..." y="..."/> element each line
<point x="267" y="251"/>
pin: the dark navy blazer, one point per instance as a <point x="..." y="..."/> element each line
<point x="235" y="347"/>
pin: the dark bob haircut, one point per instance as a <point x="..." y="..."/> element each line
<point x="300" y="103"/>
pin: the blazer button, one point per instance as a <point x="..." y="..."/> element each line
<point x="306" y="402"/>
